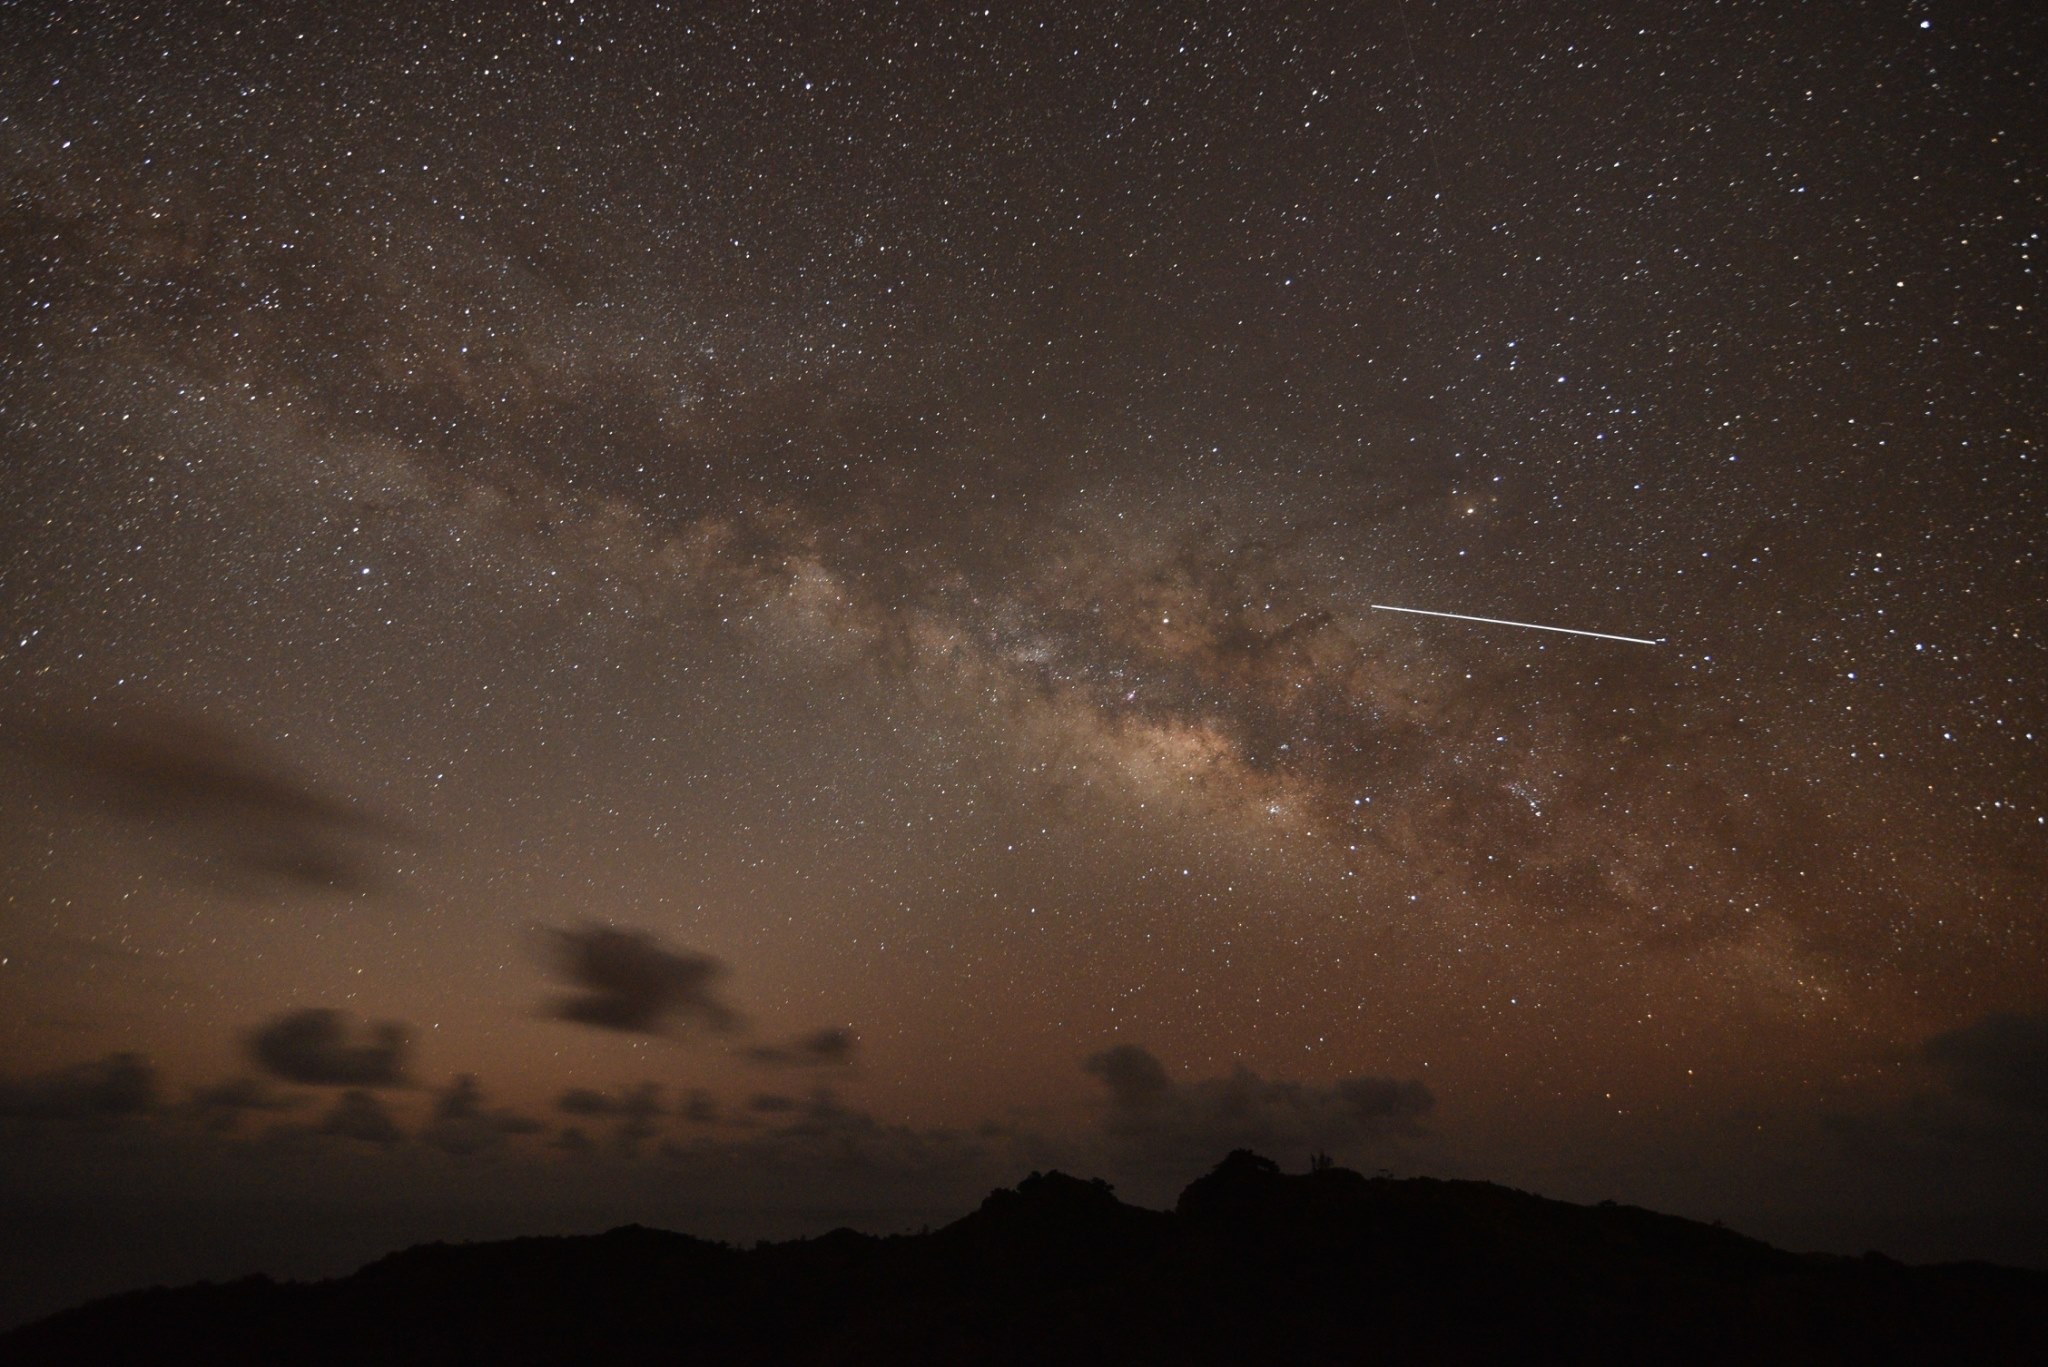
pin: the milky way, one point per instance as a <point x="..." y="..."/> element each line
<point x="753" y="584"/>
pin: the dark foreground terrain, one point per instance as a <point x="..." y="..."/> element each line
<point x="1253" y="1266"/>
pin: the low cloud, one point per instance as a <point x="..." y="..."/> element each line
<point x="117" y="1086"/>
<point x="822" y="1139"/>
<point x="641" y="1100"/>
<point x="585" y="1101"/>
<point x="320" y="1047"/>
<point x="1987" y="1115"/>
<point x="629" y="982"/>
<point x="1152" y="1122"/>
<point x="832" y="1047"/>
<point x="637" y="1110"/>
<point x="2002" y="1058"/>
<point x="462" y="1126"/>
<point x="360" y="1116"/>
<point x="1134" y="1077"/>
<point x="222" y="1106"/>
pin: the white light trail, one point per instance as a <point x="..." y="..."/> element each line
<point x="1531" y="626"/>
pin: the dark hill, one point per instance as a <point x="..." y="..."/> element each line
<point x="1253" y="1266"/>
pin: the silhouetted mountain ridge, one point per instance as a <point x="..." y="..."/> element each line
<point x="1252" y="1265"/>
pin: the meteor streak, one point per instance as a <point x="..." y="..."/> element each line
<point x="1532" y="626"/>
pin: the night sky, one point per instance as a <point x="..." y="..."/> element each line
<point x="759" y="617"/>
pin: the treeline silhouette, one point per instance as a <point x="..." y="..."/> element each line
<point x="1252" y="1266"/>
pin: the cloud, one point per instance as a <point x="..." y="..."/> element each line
<point x="831" y="1047"/>
<point x="627" y="981"/>
<point x="1134" y="1078"/>
<point x="699" y="1107"/>
<point x="222" y="1106"/>
<point x="821" y="1139"/>
<point x="585" y="1101"/>
<point x="641" y="1101"/>
<point x="461" y="1126"/>
<point x="1154" y="1122"/>
<point x="360" y="1116"/>
<point x="1983" y="1128"/>
<point x="2002" y="1058"/>
<point x="117" y="1086"/>
<point x="638" y="1111"/>
<point x="314" y="1046"/>
<point x="240" y="815"/>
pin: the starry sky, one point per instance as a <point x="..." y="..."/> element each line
<point x="752" y="615"/>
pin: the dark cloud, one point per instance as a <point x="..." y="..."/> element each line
<point x="222" y="1106"/>
<point x="628" y="981"/>
<point x="699" y="1107"/>
<point x="639" y="1116"/>
<point x="1133" y="1076"/>
<point x="1376" y="1100"/>
<point x="1986" y="1123"/>
<point x="831" y="1047"/>
<point x="573" y="1139"/>
<point x="116" y="1086"/>
<point x="463" y="1127"/>
<point x="318" y="1046"/>
<point x="239" y="815"/>
<point x="2002" y="1058"/>
<point x="643" y="1099"/>
<point x="821" y="1139"/>
<point x="360" y="1116"/>
<point x="638" y="1111"/>
<point x="1155" y="1122"/>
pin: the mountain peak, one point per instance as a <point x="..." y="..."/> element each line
<point x="1253" y="1265"/>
